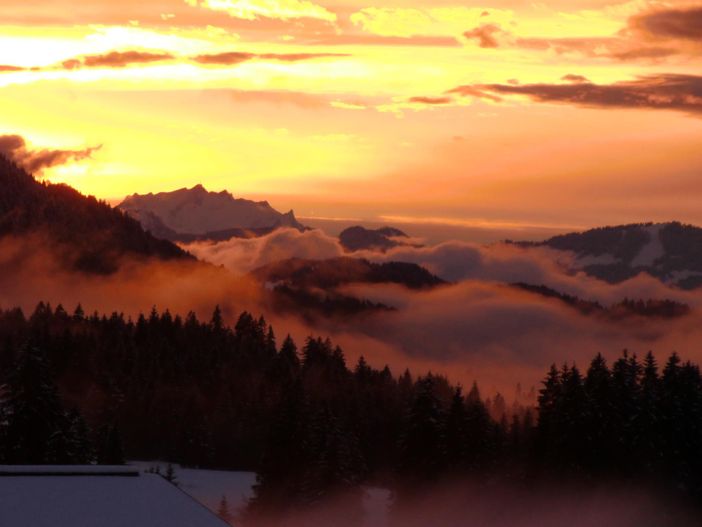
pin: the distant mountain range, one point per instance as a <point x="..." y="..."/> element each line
<point x="671" y="252"/>
<point x="89" y="235"/>
<point x="194" y="214"/>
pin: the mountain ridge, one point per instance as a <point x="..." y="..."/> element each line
<point x="195" y="214"/>
<point x="670" y="251"/>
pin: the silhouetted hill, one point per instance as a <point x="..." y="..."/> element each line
<point x="628" y="307"/>
<point x="88" y="234"/>
<point x="359" y="238"/>
<point x="195" y="214"/>
<point x="671" y="252"/>
<point x="334" y="272"/>
<point x="308" y="288"/>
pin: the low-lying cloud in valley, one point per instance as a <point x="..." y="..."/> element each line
<point x="477" y="325"/>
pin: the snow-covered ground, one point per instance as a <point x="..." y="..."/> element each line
<point x="208" y="487"/>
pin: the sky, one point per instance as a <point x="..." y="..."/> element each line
<point x="559" y="114"/>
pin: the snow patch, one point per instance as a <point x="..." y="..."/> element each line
<point x="208" y="486"/>
<point x="653" y="250"/>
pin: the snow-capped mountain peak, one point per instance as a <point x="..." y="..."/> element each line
<point x="198" y="212"/>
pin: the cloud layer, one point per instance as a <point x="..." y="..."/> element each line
<point x="655" y="92"/>
<point x="479" y="327"/>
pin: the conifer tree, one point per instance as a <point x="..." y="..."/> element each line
<point x="455" y="432"/>
<point x="479" y="426"/>
<point x="421" y="443"/>
<point x="35" y="419"/>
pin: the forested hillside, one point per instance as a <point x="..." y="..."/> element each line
<point x="203" y="394"/>
<point x="88" y="234"/>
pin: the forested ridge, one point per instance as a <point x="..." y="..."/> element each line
<point x="89" y="235"/>
<point x="84" y="388"/>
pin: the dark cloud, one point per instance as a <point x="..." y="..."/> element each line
<point x="237" y="57"/>
<point x="681" y="27"/>
<point x="643" y="53"/>
<point x="232" y="57"/>
<point x="485" y="35"/>
<point x="657" y="92"/>
<point x="437" y="101"/>
<point x="474" y="91"/>
<point x="7" y="68"/>
<point x="35" y="161"/>
<point x="116" y="59"/>
<point x="576" y="79"/>
<point x="683" y="24"/>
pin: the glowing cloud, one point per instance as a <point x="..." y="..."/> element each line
<point x="655" y="92"/>
<point x="280" y="9"/>
<point x="36" y="160"/>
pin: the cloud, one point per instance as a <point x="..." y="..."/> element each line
<point x="237" y="57"/>
<point x="643" y="53"/>
<point x="485" y="35"/>
<point x="5" y="68"/>
<point x="622" y="47"/>
<point x="392" y="22"/>
<point x="36" y="160"/>
<point x="227" y="58"/>
<point x="116" y="59"/>
<point x="277" y="9"/>
<point x="296" y="57"/>
<point x="475" y="91"/>
<point x="478" y="328"/>
<point x="383" y="40"/>
<point x="655" y="92"/>
<point x="437" y="101"/>
<point x="682" y="24"/>
<point x="245" y="255"/>
<point x="31" y="271"/>
<point x="294" y="98"/>
<point x="576" y="79"/>
<point x="679" y="28"/>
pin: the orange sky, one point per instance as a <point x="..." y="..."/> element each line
<point x="563" y="112"/>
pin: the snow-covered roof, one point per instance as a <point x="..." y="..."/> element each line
<point x="68" y="470"/>
<point x="90" y="496"/>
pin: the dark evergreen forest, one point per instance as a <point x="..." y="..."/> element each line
<point x="83" y="388"/>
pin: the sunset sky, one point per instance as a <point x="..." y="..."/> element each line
<point x="562" y="113"/>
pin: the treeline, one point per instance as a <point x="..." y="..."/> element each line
<point x="651" y="308"/>
<point x="312" y="427"/>
<point x="201" y="393"/>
